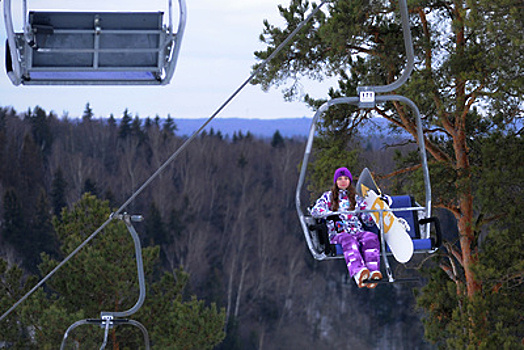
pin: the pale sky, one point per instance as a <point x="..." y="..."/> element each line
<point x="215" y="58"/>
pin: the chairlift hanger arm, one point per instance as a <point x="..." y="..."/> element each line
<point x="139" y="263"/>
<point x="14" y="71"/>
<point x="410" y="56"/>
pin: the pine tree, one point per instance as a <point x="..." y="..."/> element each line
<point x="58" y="192"/>
<point x="190" y="324"/>
<point x="14" y="331"/>
<point x="136" y="128"/>
<point x="30" y="177"/>
<point x="41" y="130"/>
<point x="14" y="224"/>
<point x="148" y="124"/>
<point x="3" y="143"/>
<point x="111" y="121"/>
<point x="43" y="239"/>
<point x="155" y="231"/>
<point x="88" y="114"/>
<point x="277" y="140"/>
<point x="169" y="126"/>
<point x="125" y="125"/>
<point x="90" y="187"/>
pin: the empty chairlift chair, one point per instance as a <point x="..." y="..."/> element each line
<point x="93" y="48"/>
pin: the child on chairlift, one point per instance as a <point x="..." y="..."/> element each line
<point x="361" y="248"/>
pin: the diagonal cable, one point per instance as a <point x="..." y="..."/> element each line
<point x="170" y="159"/>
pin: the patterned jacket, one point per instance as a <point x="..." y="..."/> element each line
<point x="351" y="223"/>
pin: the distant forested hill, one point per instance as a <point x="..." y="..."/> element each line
<point x="264" y="128"/>
<point x="288" y="127"/>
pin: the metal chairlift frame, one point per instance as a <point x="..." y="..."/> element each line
<point x="367" y="99"/>
<point x="109" y="320"/>
<point x="21" y="49"/>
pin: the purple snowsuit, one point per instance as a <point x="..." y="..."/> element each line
<point x="361" y="248"/>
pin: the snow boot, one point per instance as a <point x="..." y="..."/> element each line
<point x="361" y="276"/>
<point x="375" y="275"/>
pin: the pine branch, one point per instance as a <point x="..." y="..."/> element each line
<point x="449" y="271"/>
<point x="455" y="252"/>
<point x="398" y="172"/>
<point x="405" y="124"/>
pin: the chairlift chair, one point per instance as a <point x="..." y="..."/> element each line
<point x="418" y="216"/>
<point x="93" y="48"/>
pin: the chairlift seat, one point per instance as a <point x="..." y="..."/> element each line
<point x="420" y="244"/>
<point x="100" y="48"/>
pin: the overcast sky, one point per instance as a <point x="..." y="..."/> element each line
<point x="215" y="58"/>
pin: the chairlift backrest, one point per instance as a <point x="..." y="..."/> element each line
<point x="411" y="216"/>
<point x="93" y="48"/>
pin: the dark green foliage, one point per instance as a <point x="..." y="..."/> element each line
<point x="182" y="324"/>
<point x="31" y="170"/>
<point x="28" y="235"/>
<point x="239" y="136"/>
<point x="169" y="127"/>
<point x="155" y="231"/>
<point x="14" y="330"/>
<point x="13" y="219"/>
<point x="125" y="127"/>
<point x="88" y="113"/>
<point x="90" y="187"/>
<point x="136" y="130"/>
<point x="43" y="238"/>
<point x="277" y="141"/>
<point x="41" y="130"/>
<point x="495" y="310"/>
<point x="328" y="159"/>
<point x="58" y="192"/>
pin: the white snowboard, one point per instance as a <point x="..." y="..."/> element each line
<point x="395" y="234"/>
